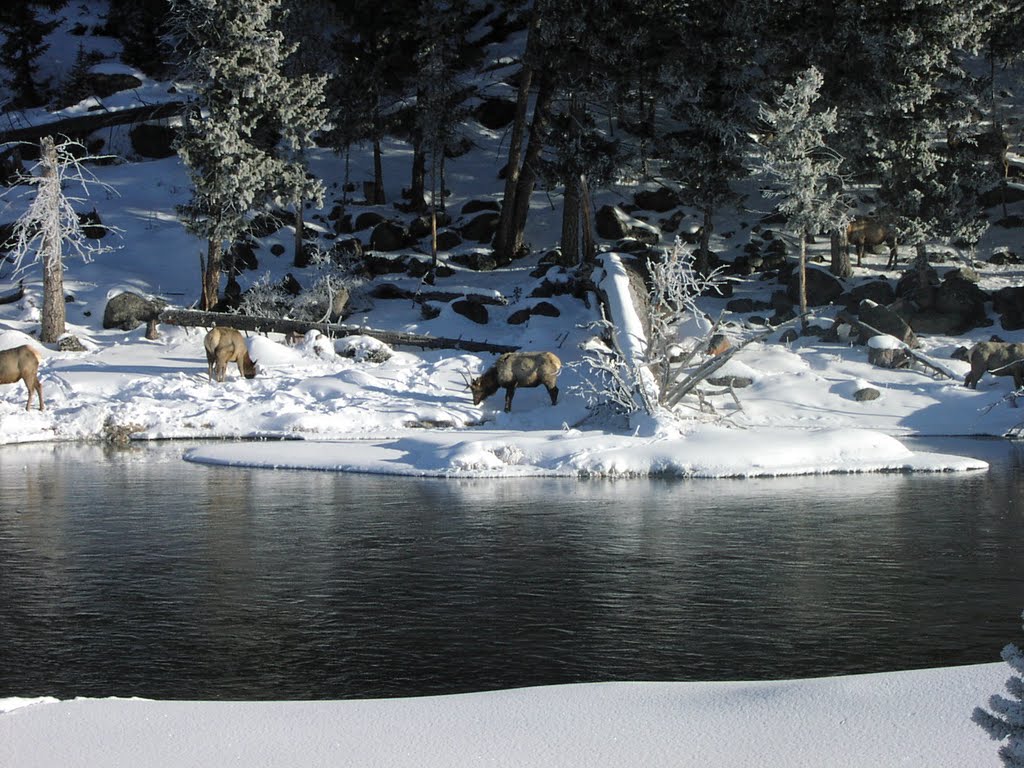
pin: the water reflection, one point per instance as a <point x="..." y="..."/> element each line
<point x="135" y="573"/>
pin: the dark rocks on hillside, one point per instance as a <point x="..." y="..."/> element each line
<point x="822" y="288"/>
<point x="481" y="228"/>
<point x="659" y="200"/>
<point x="153" y="141"/>
<point x="447" y="239"/>
<point x="367" y="219"/>
<point x="610" y="223"/>
<point x="481" y="262"/>
<point x="495" y="113"/>
<point x="128" y="311"/>
<point x="92" y="226"/>
<point x="476" y="206"/>
<point x="471" y="310"/>
<point x="1008" y="303"/>
<point x="879" y="291"/>
<point x="389" y="236"/>
<point x="884" y="320"/>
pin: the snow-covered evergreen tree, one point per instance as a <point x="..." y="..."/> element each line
<point x="242" y="140"/>
<point x="797" y="158"/>
<point x="1005" y="721"/>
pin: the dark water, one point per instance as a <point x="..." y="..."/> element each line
<point x="135" y="573"/>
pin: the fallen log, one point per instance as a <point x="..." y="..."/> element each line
<point x="83" y="125"/>
<point x="15" y="295"/>
<point x="194" y="318"/>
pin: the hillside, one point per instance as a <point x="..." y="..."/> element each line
<point x="123" y="383"/>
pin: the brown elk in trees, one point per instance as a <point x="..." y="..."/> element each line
<point x="999" y="358"/>
<point x="865" y="232"/>
<point x="518" y="369"/>
<point x="22" y="363"/>
<point x="225" y="345"/>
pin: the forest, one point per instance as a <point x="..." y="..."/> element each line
<point x="903" y="110"/>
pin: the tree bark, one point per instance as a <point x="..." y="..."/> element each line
<point x="840" y="266"/>
<point x="193" y="318"/>
<point x="571" y="221"/>
<point x="301" y="257"/>
<point x="211" y="274"/>
<point x="54" y="309"/>
<point x="803" y="281"/>
<point x="528" y="173"/>
<point x="503" y="236"/>
<point x="378" y="174"/>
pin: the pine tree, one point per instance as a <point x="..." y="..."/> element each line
<point x="24" y="42"/>
<point x="1006" y="720"/>
<point x="710" y="92"/>
<point x="801" y="164"/>
<point x="243" y="137"/>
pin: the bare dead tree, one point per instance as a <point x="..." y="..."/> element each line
<point x="51" y="226"/>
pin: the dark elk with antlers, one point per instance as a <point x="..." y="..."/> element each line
<point x="517" y="369"/>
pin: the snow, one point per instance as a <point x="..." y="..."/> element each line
<point x="911" y="718"/>
<point x="412" y="414"/>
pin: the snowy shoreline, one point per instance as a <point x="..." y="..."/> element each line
<point x="918" y="717"/>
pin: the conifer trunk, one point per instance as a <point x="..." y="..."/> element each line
<point x="211" y="274"/>
<point x="54" y="309"/>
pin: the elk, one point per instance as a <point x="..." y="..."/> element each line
<point x="224" y="345"/>
<point x="22" y="363"/>
<point x="518" y="369"/>
<point x="999" y="358"/>
<point x="866" y="232"/>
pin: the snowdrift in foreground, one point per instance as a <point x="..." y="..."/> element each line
<point x="916" y="718"/>
<point x="707" y="451"/>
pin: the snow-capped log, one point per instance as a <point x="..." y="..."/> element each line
<point x="194" y="318"/>
<point x="22" y="363"/>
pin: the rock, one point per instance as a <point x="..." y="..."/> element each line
<point x="153" y="141"/>
<point x="659" y="200"/>
<point x="822" y="288"/>
<point x="481" y="228"/>
<point x="388" y="236"/>
<point x="610" y="223"/>
<point x="884" y="320"/>
<point x="495" y="113"/>
<point x="471" y="310"/>
<point x="866" y="394"/>
<point x="128" y="311"/>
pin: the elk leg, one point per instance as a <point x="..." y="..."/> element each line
<point x="509" y="392"/>
<point x="553" y="391"/>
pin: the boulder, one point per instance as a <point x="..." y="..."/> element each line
<point x="659" y="200"/>
<point x="471" y="310"/>
<point x="128" y="311"/>
<point x="610" y="223"/>
<point x="822" y="288"/>
<point x="388" y="236"/>
<point x="481" y="228"/>
<point x="884" y="320"/>
<point x="153" y="141"/>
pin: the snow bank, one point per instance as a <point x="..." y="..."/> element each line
<point x="916" y="718"/>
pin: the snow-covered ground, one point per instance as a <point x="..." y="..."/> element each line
<point x="916" y="718"/>
<point x="413" y="415"/>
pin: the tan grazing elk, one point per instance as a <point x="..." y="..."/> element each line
<point x="999" y="358"/>
<point x="865" y="232"/>
<point x="518" y="369"/>
<point x="223" y="346"/>
<point x="22" y="363"/>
